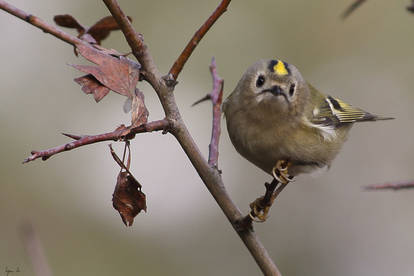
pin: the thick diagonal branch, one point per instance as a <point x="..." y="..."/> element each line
<point x="121" y="133"/>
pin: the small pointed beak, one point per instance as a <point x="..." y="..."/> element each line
<point x="276" y="91"/>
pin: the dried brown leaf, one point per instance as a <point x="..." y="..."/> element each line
<point x="139" y="110"/>
<point x="94" y="34"/>
<point x="68" y="21"/>
<point x="101" y="29"/>
<point x="90" y="85"/>
<point x="117" y="73"/>
<point x="128" y="199"/>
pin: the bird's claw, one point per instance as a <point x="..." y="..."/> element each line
<point x="258" y="212"/>
<point x="280" y="172"/>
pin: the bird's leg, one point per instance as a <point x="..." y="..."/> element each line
<point x="261" y="206"/>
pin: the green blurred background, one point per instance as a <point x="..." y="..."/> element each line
<point x="325" y="225"/>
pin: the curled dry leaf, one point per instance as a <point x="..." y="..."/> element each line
<point x="139" y="110"/>
<point x="94" y="34"/>
<point x="113" y="72"/>
<point x="128" y="199"/>
<point x="90" y="85"/>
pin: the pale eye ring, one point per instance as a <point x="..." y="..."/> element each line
<point x="260" y="81"/>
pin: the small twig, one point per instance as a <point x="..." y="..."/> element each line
<point x="356" y="4"/>
<point x="121" y="133"/>
<point x="391" y="186"/>
<point x="216" y="97"/>
<point x="73" y="136"/>
<point x="188" y="50"/>
<point x="203" y="99"/>
<point x="34" y="250"/>
<point x="35" y="21"/>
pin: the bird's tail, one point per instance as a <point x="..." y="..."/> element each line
<point x="373" y="117"/>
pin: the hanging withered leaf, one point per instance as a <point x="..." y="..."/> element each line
<point x="112" y="71"/>
<point x="128" y="198"/>
<point x="94" y="34"/>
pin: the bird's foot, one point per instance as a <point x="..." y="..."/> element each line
<point x="258" y="211"/>
<point x="280" y="172"/>
<point x="261" y="206"/>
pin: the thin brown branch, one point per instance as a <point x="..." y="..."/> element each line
<point x="39" y="23"/>
<point x="216" y="97"/>
<point x="391" y="186"/>
<point x="356" y="4"/>
<point x="121" y="133"/>
<point x="188" y="50"/>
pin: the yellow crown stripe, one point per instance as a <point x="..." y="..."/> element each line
<point x="280" y="68"/>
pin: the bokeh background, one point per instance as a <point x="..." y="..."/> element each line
<point x="324" y="225"/>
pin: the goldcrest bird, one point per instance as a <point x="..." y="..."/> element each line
<point x="283" y="125"/>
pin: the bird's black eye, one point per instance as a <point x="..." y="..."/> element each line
<point x="292" y="89"/>
<point x="260" y="81"/>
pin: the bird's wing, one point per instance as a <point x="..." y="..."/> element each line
<point x="335" y="112"/>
